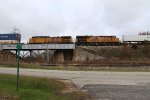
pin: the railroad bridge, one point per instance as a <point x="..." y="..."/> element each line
<point x="62" y="52"/>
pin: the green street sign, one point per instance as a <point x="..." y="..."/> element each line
<point x="19" y="46"/>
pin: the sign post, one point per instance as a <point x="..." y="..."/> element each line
<point x="19" y="47"/>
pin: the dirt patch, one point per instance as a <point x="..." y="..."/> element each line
<point x="71" y="87"/>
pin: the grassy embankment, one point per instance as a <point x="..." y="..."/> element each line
<point x="81" y="68"/>
<point x="31" y="88"/>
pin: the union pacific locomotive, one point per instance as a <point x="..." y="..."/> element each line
<point x="48" y="39"/>
<point x="97" y="40"/>
<point x="80" y="40"/>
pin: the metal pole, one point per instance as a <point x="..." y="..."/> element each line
<point x="18" y="68"/>
<point x="47" y="53"/>
<point x="18" y="46"/>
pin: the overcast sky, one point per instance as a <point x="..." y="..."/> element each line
<point x="74" y="17"/>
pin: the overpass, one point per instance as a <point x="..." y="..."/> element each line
<point x="62" y="52"/>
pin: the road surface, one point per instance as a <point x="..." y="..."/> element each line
<point x="96" y="81"/>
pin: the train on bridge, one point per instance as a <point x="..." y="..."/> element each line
<point x="85" y="40"/>
<point x="10" y="38"/>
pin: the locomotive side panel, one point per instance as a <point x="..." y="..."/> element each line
<point x="55" y="39"/>
<point x="66" y="39"/>
<point x="47" y="39"/>
<point x="39" y="40"/>
<point x="108" y="39"/>
<point x="97" y="40"/>
<point x="83" y="40"/>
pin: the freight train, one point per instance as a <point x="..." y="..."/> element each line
<point x="80" y="40"/>
<point x="93" y="40"/>
<point x="10" y="38"/>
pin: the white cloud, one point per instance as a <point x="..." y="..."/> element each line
<point x="75" y="17"/>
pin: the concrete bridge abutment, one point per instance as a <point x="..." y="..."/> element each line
<point x="62" y="56"/>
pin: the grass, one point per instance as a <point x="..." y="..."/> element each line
<point x="80" y="68"/>
<point x="32" y="88"/>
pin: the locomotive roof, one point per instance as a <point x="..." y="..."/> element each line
<point x="40" y="36"/>
<point x="96" y="36"/>
<point x="8" y="33"/>
<point x="66" y="36"/>
<point x="83" y="36"/>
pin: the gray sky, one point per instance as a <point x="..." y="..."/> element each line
<point x="74" y="17"/>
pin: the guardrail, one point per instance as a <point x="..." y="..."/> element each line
<point x="38" y="46"/>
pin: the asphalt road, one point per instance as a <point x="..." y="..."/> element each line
<point x="118" y="92"/>
<point x="100" y="85"/>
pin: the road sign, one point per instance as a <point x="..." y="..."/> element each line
<point x="19" y="46"/>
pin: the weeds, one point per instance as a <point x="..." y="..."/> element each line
<point x="32" y="88"/>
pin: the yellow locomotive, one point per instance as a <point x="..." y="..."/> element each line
<point x="97" y="40"/>
<point x="80" y="40"/>
<point x="39" y="39"/>
<point x="48" y="39"/>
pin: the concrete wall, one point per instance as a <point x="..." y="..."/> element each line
<point x="61" y="56"/>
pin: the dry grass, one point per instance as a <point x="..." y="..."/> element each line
<point x="33" y="88"/>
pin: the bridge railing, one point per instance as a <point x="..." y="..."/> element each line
<point x="37" y="46"/>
